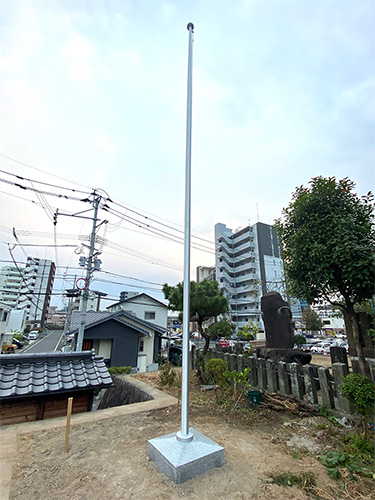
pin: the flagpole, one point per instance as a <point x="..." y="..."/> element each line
<point x="185" y="434"/>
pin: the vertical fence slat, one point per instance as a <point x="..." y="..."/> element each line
<point x="271" y="376"/>
<point x="325" y="387"/>
<point x="296" y="380"/>
<point x="340" y="370"/>
<point x="284" y="381"/>
<point x="310" y="385"/>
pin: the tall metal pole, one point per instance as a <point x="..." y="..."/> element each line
<point x="185" y="434"/>
<point x="86" y="291"/>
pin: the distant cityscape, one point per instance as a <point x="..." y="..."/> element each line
<point x="247" y="265"/>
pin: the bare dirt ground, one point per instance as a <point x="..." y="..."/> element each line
<point x="108" y="459"/>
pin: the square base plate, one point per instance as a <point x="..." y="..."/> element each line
<point x="183" y="460"/>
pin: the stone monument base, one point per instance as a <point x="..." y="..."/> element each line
<point x="183" y="460"/>
<point x="286" y="355"/>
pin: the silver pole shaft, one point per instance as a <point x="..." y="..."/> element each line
<point x="86" y="291"/>
<point x="184" y="434"/>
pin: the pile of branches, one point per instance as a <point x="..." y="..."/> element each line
<point x="281" y="402"/>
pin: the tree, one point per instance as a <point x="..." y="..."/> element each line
<point x="311" y="321"/>
<point x="206" y="301"/>
<point x="327" y="241"/>
<point x="299" y="339"/>
<point x="222" y="328"/>
<point x="248" y="332"/>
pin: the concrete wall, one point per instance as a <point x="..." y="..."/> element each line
<point x="125" y="392"/>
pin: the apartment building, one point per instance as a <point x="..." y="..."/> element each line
<point x="205" y="273"/>
<point x="10" y="285"/>
<point x="248" y="265"/>
<point x="36" y="289"/>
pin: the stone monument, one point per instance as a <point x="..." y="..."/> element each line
<point x="277" y="318"/>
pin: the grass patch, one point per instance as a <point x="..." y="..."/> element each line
<point x="305" y="480"/>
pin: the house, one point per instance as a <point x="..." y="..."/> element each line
<point x="11" y="319"/>
<point x="37" y="386"/>
<point x="121" y="338"/>
<point x="144" y="307"/>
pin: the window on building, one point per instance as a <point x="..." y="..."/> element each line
<point x="149" y="314"/>
<point x="141" y="345"/>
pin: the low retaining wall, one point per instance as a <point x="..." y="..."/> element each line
<point x="125" y="392"/>
<point x="311" y="383"/>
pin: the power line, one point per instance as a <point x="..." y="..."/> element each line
<point x="161" y="223"/>
<point x="43" y="171"/>
<point x="66" y="197"/>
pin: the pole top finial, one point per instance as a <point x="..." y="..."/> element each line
<point x="190" y="25"/>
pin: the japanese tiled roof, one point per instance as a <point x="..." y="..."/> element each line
<point x="24" y="375"/>
<point x="95" y="318"/>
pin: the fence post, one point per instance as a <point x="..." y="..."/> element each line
<point x="371" y="365"/>
<point x="271" y="376"/>
<point x="341" y="370"/>
<point x="252" y="363"/>
<point x="227" y="360"/>
<point x="296" y="380"/>
<point x="240" y="360"/>
<point x="262" y="373"/>
<point x="325" y="387"/>
<point x="284" y="381"/>
<point x="310" y="385"/>
<point x="233" y="362"/>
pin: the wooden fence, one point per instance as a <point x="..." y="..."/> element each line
<point x="311" y="383"/>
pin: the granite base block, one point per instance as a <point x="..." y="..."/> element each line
<point x="181" y="460"/>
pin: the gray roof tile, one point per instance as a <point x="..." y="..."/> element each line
<point x="46" y="373"/>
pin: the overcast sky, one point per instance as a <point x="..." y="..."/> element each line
<point x="93" y="95"/>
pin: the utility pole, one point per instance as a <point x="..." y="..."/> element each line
<point x="86" y="291"/>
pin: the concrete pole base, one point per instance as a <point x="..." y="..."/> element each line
<point x="183" y="460"/>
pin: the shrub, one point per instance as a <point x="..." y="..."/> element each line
<point x="360" y="392"/>
<point x="120" y="370"/>
<point x="167" y="375"/>
<point x="216" y="370"/>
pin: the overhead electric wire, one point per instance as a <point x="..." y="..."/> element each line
<point x="161" y="223"/>
<point x="89" y="189"/>
<point x="160" y="232"/>
<point x="66" y="197"/>
<point x="44" y="172"/>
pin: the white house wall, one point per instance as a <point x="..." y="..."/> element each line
<point x="141" y="305"/>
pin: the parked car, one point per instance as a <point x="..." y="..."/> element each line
<point x="18" y="343"/>
<point x="224" y="343"/>
<point x="33" y="335"/>
<point x="319" y="348"/>
<point x="175" y="355"/>
<point x="306" y="347"/>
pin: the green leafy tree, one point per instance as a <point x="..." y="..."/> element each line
<point x="222" y="328"/>
<point x="327" y="241"/>
<point x="299" y="339"/>
<point x="311" y="321"/>
<point x="248" y="332"/>
<point x="206" y="301"/>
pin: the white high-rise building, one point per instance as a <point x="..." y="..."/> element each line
<point x="36" y="289"/>
<point x="248" y="265"/>
<point x="10" y="285"/>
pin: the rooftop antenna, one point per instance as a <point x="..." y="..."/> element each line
<point x="257" y="212"/>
